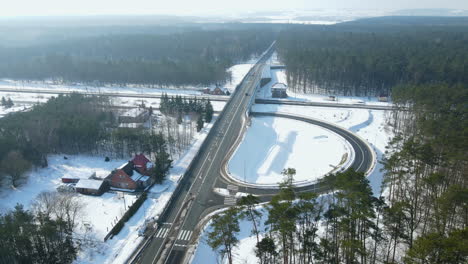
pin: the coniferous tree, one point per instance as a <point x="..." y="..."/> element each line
<point x="222" y="237"/>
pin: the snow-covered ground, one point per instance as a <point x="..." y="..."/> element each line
<point x="23" y="100"/>
<point x="28" y="99"/>
<point x="369" y="124"/>
<point x="237" y="74"/>
<point x="100" y="212"/>
<point x="15" y="108"/>
<point x="272" y="144"/>
<point x="279" y="76"/>
<point x="237" y="71"/>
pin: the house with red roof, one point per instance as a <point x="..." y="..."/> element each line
<point x="142" y="164"/>
<point x="132" y="175"/>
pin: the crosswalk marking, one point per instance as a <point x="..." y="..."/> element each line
<point x="184" y="235"/>
<point x="229" y="201"/>
<point x="162" y="232"/>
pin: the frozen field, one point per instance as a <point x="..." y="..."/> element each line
<point x="273" y="144"/>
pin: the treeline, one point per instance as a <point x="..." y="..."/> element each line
<point x="44" y="234"/>
<point x="348" y="225"/>
<point x="187" y="58"/>
<point x="425" y="172"/>
<point x="65" y="124"/>
<point x="177" y="106"/>
<point x="369" y="60"/>
<point x="71" y="124"/>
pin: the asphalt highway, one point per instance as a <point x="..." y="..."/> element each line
<point x="194" y="197"/>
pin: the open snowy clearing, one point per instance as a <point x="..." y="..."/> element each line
<point x="237" y="74"/>
<point x="273" y="144"/>
<point x="371" y="125"/>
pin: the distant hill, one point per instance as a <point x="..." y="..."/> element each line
<point x="429" y="12"/>
<point x="411" y="21"/>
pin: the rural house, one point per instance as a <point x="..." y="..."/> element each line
<point x="142" y="164"/>
<point x="215" y="91"/>
<point x="136" y="115"/>
<point x="131" y="176"/>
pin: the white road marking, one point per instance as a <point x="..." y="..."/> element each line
<point x="184" y="235"/>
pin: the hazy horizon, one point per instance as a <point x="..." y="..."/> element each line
<point x="23" y="8"/>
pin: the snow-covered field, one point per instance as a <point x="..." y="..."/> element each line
<point x="272" y="144"/>
<point x="369" y="124"/>
<point x="237" y="71"/>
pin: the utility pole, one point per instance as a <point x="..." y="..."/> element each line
<point x="245" y="176"/>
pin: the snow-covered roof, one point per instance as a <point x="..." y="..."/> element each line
<point x="89" y="184"/>
<point x="102" y="174"/>
<point x="144" y="178"/>
<point x="122" y="166"/>
<point x="136" y="176"/>
<point x="71" y="177"/>
<point x="279" y="86"/>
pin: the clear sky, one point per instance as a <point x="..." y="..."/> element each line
<point x="10" y="8"/>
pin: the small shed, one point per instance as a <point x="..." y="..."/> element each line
<point x="278" y="90"/>
<point x="90" y="187"/>
<point x="70" y="179"/>
<point x="215" y="91"/>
